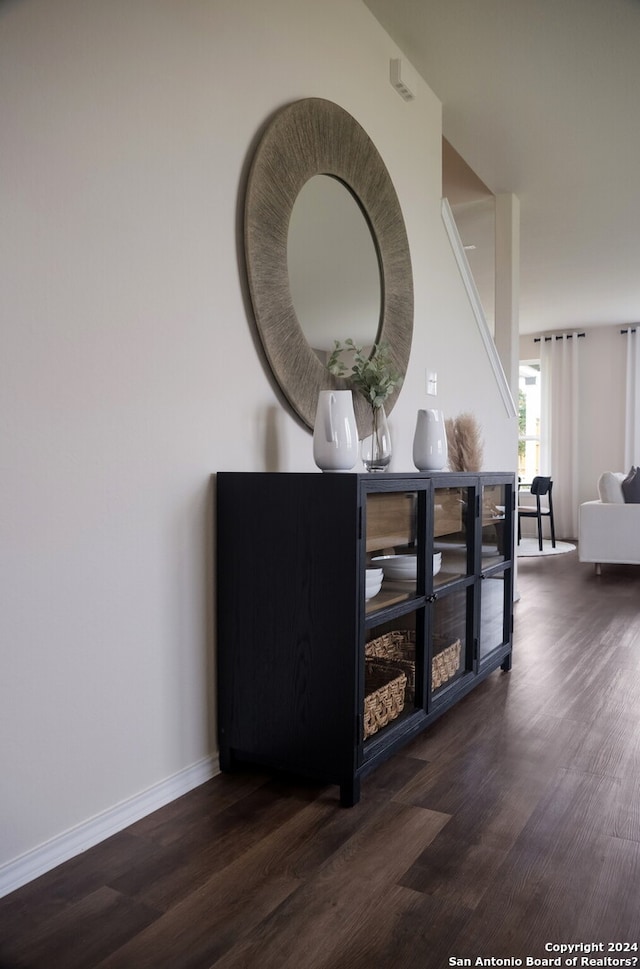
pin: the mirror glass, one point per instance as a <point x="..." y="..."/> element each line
<point x="334" y="272"/>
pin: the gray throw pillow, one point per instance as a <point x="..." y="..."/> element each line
<point x="631" y="487"/>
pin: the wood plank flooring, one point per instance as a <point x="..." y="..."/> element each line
<point x="513" y="822"/>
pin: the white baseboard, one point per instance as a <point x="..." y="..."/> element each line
<point x="64" y="846"/>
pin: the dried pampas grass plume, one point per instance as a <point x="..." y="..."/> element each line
<point x="464" y="441"/>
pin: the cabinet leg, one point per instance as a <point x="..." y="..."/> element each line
<point x="350" y="792"/>
<point x="506" y="664"/>
<point x="227" y="760"/>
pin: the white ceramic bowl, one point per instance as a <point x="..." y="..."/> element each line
<point x="372" y="590"/>
<point x="404" y="567"/>
<point x="398" y="566"/>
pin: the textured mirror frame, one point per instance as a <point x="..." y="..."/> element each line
<point x="317" y="137"/>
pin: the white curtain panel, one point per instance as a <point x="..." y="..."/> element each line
<point x="559" y="370"/>
<point x="632" y="405"/>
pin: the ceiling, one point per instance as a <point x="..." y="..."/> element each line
<point x="541" y="98"/>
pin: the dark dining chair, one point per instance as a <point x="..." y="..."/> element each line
<point x="540" y="486"/>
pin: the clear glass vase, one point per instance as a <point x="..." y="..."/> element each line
<point x="376" y="448"/>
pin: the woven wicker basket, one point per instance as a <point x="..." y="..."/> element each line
<point x="398" y="647"/>
<point x="384" y="695"/>
<point x="445" y="664"/>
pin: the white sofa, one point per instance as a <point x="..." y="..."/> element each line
<point x="609" y="529"/>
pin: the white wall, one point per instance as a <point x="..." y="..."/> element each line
<point x="130" y="369"/>
<point x="600" y="403"/>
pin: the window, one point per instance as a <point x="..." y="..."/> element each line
<point x="529" y="410"/>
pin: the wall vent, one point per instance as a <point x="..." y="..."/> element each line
<point x="404" y="79"/>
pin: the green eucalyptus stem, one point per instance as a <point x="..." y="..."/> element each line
<point x="373" y="375"/>
<point x="378" y="429"/>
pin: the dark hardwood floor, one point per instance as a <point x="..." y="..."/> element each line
<point x="513" y="822"/>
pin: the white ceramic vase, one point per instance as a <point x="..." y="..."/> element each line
<point x="430" y="441"/>
<point x="335" y="435"/>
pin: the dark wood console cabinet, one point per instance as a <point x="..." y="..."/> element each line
<point x="298" y="644"/>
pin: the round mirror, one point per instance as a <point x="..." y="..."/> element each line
<point x="334" y="273"/>
<point x="307" y="138"/>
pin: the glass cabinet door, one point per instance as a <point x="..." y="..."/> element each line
<point x="495" y="533"/>
<point x="392" y="564"/>
<point x="452" y="533"/>
<point x="493" y="629"/>
<point x="394" y="609"/>
<point x="495" y="557"/>
<point x="392" y="673"/>
<point x="450" y="658"/>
